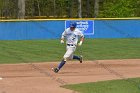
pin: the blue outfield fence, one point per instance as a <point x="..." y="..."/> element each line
<point x="52" y="29"/>
<point x="117" y="29"/>
<point x="28" y="30"/>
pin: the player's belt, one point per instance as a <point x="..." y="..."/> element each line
<point x="70" y="45"/>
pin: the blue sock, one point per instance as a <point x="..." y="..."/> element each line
<point x="61" y="64"/>
<point x="76" y="57"/>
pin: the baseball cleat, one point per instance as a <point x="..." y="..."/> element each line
<point x="55" y="70"/>
<point x="81" y="59"/>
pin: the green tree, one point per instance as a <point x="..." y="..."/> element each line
<point x="118" y="8"/>
<point x="69" y="8"/>
<point x="21" y="9"/>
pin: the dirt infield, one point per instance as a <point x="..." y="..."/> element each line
<point x="38" y="77"/>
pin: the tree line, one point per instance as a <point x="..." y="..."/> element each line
<point x="68" y="8"/>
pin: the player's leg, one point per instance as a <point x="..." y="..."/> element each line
<point x="76" y="57"/>
<point x="66" y="57"/>
<point x="80" y="58"/>
<point x="62" y="63"/>
<point x="68" y="53"/>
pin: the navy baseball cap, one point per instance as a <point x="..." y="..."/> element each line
<point x="73" y="24"/>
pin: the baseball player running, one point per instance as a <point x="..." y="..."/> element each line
<point x="71" y="34"/>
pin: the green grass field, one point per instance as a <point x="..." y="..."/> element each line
<point x="92" y="49"/>
<point x="112" y="86"/>
<point x="52" y="50"/>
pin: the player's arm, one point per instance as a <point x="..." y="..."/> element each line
<point x="81" y="40"/>
<point x="63" y="37"/>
